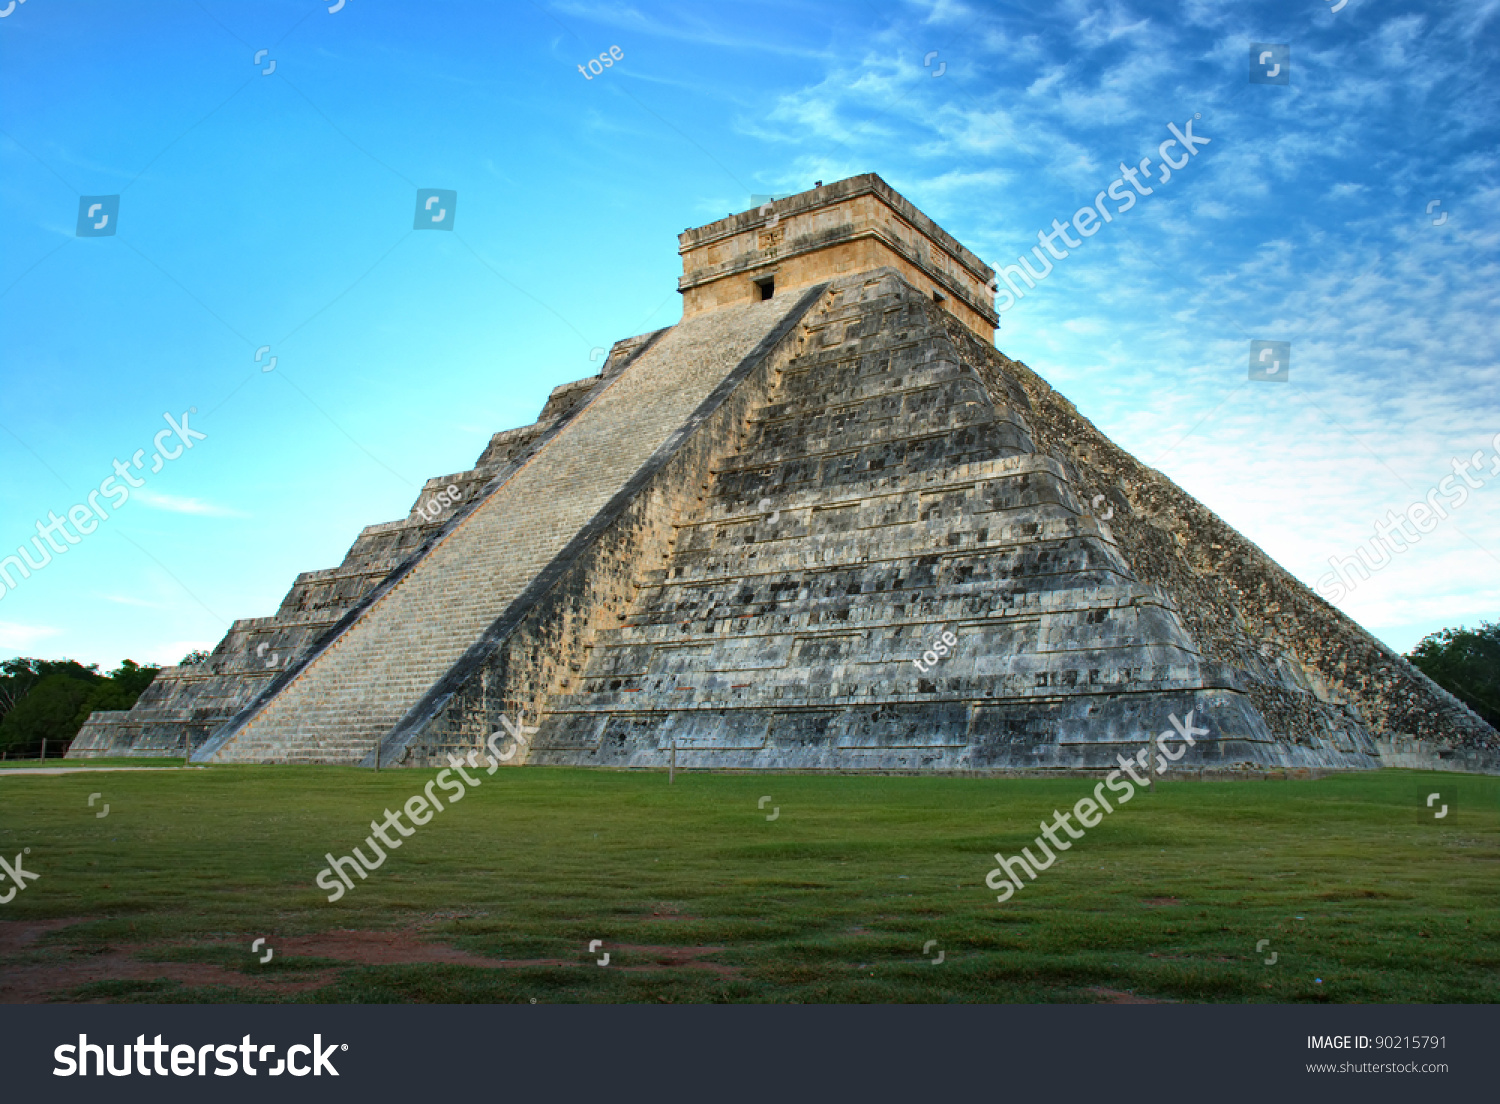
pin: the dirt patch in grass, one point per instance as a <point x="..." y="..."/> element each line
<point x="1118" y="996"/>
<point x="678" y="957"/>
<point x="21" y="935"/>
<point x="670" y="912"/>
<point x="67" y="969"/>
<point x="393" y="948"/>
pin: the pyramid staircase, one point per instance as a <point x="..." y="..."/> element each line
<point x="395" y="646"/>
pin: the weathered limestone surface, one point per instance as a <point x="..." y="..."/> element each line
<point x="745" y="537"/>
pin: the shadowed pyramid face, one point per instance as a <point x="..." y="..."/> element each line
<point x="828" y="529"/>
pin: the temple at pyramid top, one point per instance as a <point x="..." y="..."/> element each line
<point x="856" y="225"/>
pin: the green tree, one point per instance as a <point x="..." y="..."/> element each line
<point x="49" y="711"/>
<point x="51" y="699"/>
<point x="120" y="690"/>
<point x="20" y="675"/>
<point x="1466" y="663"/>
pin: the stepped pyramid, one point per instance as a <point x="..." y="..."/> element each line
<point x="747" y="536"/>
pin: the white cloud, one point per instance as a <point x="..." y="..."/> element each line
<point x="126" y="600"/>
<point x="178" y="504"/>
<point x="684" y="28"/>
<point x="15" y="637"/>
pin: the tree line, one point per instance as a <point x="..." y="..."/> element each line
<point x="49" y="699"/>
<point x="1466" y="663"/>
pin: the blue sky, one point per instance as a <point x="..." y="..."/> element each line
<point x="276" y="209"/>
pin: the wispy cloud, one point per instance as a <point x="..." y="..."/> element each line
<point x="126" y="600"/>
<point x="1305" y="220"/>
<point x="22" y="637"/>
<point x="179" y="504"/>
<point x="683" y="26"/>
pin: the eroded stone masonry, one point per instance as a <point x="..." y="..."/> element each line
<point x="742" y="538"/>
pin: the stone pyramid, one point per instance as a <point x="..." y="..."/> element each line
<point x="819" y="524"/>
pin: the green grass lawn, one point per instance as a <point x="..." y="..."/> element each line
<point x="59" y="763"/>
<point x="1350" y="878"/>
